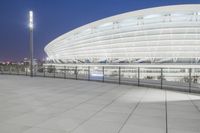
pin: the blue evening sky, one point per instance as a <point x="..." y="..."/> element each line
<point x="55" y="17"/>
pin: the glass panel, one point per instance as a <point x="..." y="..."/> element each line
<point x="82" y="72"/>
<point x="195" y="79"/>
<point x="20" y="69"/>
<point x="60" y="72"/>
<point x="176" y="79"/>
<point x="49" y="71"/>
<point x="129" y="75"/>
<point x="13" y="69"/>
<point x="150" y="77"/>
<point x="111" y="74"/>
<point x="39" y="71"/>
<point x="96" y="73"/>
<point x="71" y="72"/>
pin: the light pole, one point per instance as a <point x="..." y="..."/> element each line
<point x="31" y="41"/>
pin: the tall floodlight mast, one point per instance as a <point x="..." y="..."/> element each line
<point x="31" y="41"/>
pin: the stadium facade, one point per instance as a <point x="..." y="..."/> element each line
<point x="169" y="34"/>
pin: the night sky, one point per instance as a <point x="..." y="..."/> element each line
<point x="56" y="17"/>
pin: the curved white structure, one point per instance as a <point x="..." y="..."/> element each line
<point x="161" y="34"/>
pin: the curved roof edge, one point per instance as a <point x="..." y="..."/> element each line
<point x="136" y="13"/>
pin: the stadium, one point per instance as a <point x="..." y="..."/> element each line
<point x="157" y="46"/>
<point x="167" y="34"/>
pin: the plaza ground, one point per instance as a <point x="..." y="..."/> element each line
<point x="48" y="105"/>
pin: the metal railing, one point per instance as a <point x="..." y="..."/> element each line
<point x="182" y="79"/>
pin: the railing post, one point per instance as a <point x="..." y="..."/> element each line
<point x="103" y="73"/>
<point x="65" y="72"/>
<point x="76" y="72"/>
<point x="138" y="76"/>
<point x="54" y="71"/>
<point x="17" y="70"/>
<point x="161" y="78"/>
<point x="10" y="70"/>
<point x="190" y="78"/>
<point x="3" y="69"/>
<point x="26" y="71"/>
<point x="119" y="75"/>
<point x="34" y="70"/>
<point x="88" y="73"/>
<point x="44" y="70"/>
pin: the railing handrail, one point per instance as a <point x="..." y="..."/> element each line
<point x="156" y="77"/>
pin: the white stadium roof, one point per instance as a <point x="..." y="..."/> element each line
<point x="162" y="33"/>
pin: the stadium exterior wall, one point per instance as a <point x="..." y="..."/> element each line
<point x="169" y="34"/>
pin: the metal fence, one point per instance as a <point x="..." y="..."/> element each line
<point x="182" y="79"/>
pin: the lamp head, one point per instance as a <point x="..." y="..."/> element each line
<point x="31" y="20"/>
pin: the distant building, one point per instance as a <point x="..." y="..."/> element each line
<point x="26" y="61"/>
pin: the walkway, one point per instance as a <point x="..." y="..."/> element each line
<point x="47" y="105"/>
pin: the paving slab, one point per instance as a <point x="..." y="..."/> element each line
<point x="50" y="105"/>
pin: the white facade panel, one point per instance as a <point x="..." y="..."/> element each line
<point x="154" y="34"/>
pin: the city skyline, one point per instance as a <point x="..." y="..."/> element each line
<point x="55" y="18"/>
